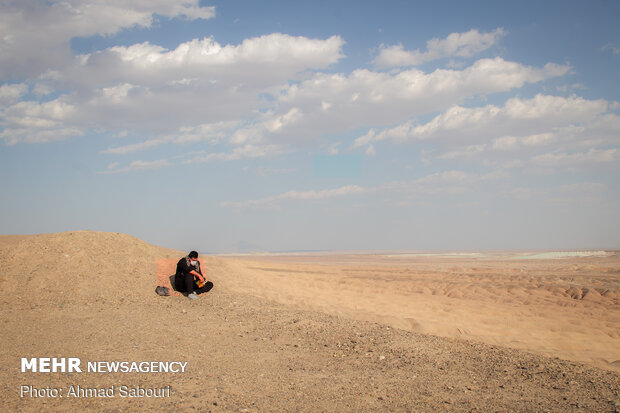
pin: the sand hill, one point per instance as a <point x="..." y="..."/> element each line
<point x="304" y="336"/>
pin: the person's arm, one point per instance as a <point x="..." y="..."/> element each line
<point x="195" y="272"/>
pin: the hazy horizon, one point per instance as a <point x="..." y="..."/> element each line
<point x="419" y="252"/>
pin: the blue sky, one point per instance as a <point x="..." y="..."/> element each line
<point x="242" y="125"/>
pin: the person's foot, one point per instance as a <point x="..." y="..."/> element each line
<point x="192" y="296"/>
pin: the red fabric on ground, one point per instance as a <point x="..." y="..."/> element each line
<point x="166" y="267"/>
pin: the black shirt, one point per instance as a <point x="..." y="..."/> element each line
<point x="184" y="267"/>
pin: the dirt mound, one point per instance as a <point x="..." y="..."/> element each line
<point x="78" y="265"/>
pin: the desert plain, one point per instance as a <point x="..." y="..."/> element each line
<point x="386" y="331"/>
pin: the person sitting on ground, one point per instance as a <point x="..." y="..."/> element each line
<point x="189" y="278"/>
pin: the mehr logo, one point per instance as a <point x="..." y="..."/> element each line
<point x="51" y="365"/>
<point x="72" y="364"/>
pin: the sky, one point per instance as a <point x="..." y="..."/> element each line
<point x="240" y="126"/>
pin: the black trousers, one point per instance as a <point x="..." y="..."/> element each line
<point x="186" y="284"/>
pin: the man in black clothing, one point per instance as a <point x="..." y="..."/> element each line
<point x="189" y="278"/>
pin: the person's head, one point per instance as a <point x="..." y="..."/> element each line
<point x="193" y="255"/>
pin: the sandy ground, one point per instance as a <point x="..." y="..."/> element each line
<point x="567" y="308"/>
<point x="309" y="333"/>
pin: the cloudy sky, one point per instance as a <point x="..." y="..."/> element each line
<point x="244" y="125"/>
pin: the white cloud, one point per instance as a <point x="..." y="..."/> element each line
<point x="14" y="136"/>
<point x="270" y="123"/>
<point x="35" y="122"/>
<point x="505" y="143"/>
<point x="137" y="165"/>
<point x="571" y="87"/>
<point x="333" y="148"/>
<point x="177" y="113"/>
<point x="577" y="158"/>
<point x="465" y="44"/>
<point x="445" y="182"/>
<point x="125" y="149"/>
<point x="35" y="34"/>
<point x="509" y="143"/>
<point x="247" y="151"/>
<point x="272" y="202"/>
<point x="267" y="171"/>
<point x="149" y="102"/>
<point x="134" y="88"/>
<point x="516" y="117"/>
<point x="208" y="132"/>
<point x="366" y="98"/>
<point x="467" y="152"/>
<point x="11" y="93"/>
<point x="117" y="93"/>
<point x="540" y="139"/>
<point x="604" y="130"/>
<point x="323" y="194"/>
<point x="257" y="62"/>
<point x="570" y="146"/>
<point x="612" y="48"/>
